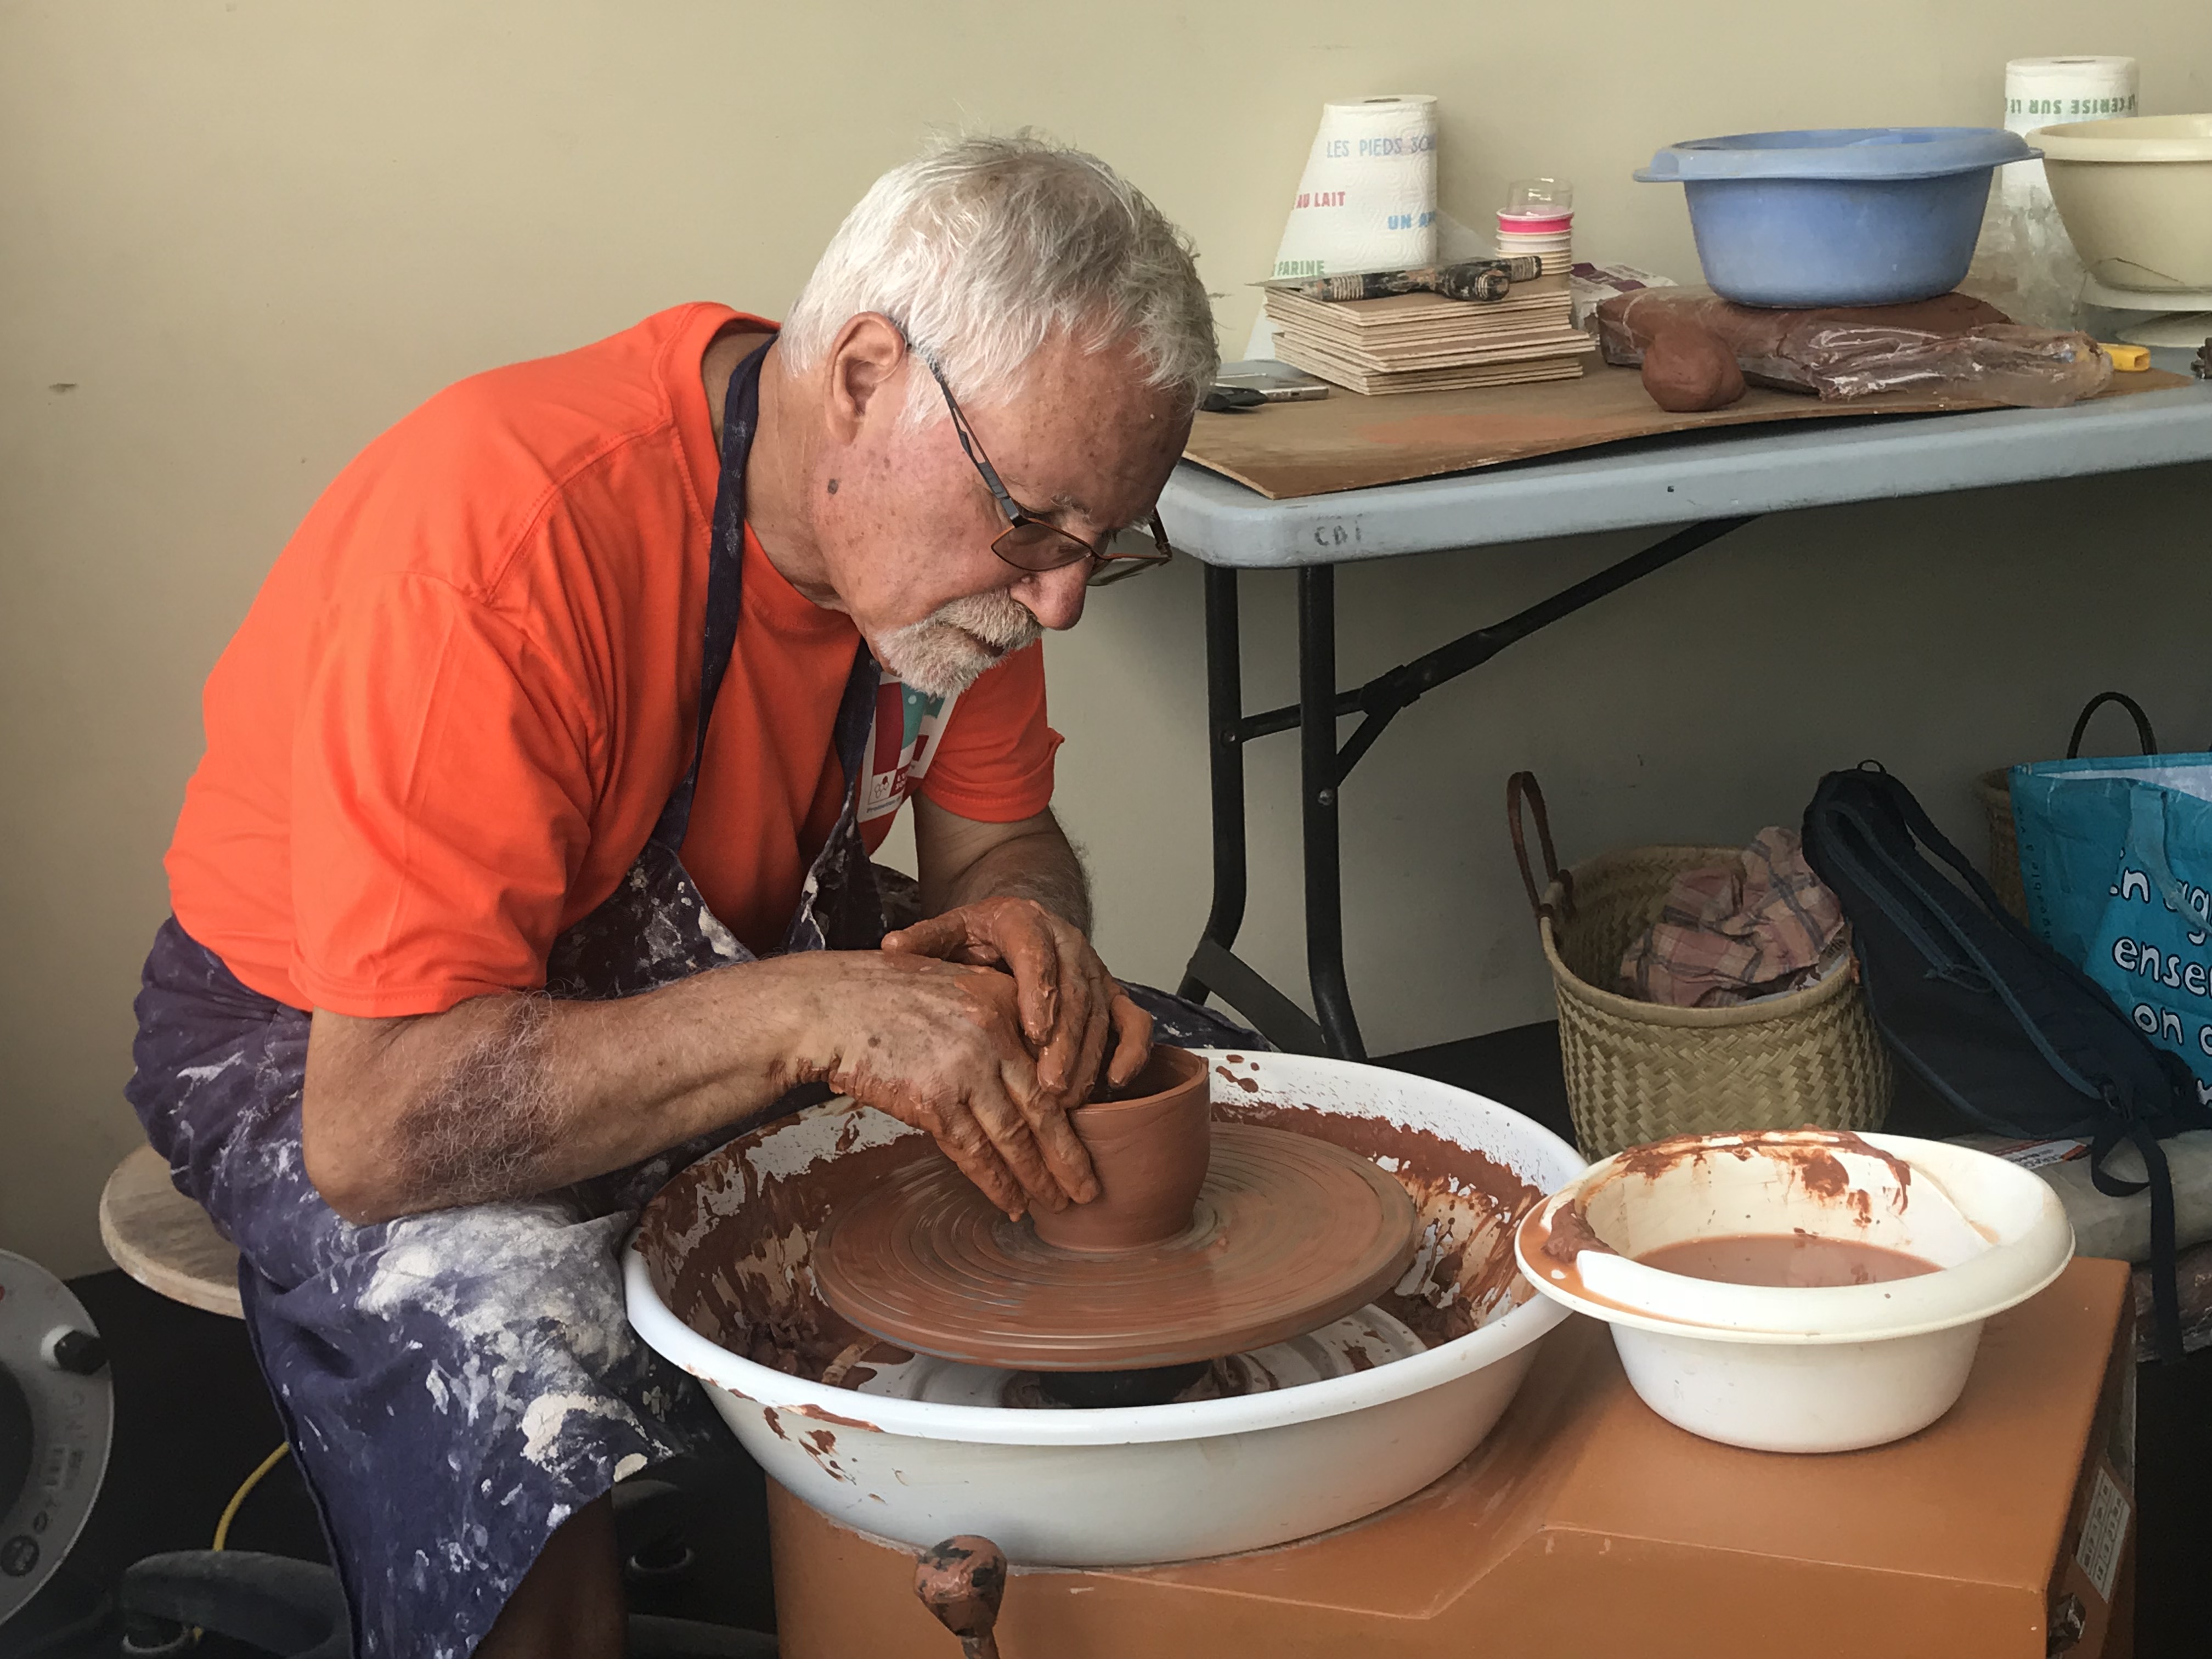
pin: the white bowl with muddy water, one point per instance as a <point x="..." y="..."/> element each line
<point x="1792" y="1367"/>
<point x="718" y="1279"/>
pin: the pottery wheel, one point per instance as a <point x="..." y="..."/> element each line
<point x="1289" y="1233"/>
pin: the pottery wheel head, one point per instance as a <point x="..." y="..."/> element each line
<point x="1289" y="1233"/>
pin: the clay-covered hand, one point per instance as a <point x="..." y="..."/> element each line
<point x="1070" y="1004"/>
<point x="941" y="1045"/>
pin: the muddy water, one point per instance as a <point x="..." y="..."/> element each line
<point x="1796" y="1261"/>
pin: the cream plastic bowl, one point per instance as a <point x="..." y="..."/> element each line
<point x="2136" y="198"/>
<point x="1789" y="1370"/>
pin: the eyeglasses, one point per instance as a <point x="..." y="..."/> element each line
<point x="1031" y="543"/>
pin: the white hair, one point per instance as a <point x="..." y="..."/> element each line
<point x="983" y="248"/>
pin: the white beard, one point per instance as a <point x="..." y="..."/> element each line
<point x="937" y="658"/>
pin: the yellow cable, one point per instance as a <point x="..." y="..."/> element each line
<point x="245" y="1489"/>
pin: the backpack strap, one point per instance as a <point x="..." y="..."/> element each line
<point x="1923" y="829"/>
<point x="2121" y="1119"/>
<point x="1962" y="958"/>
<point x="2165" y="1291"/>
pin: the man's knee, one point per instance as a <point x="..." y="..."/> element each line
<point x="569" y="1604"/>
<point x="516" y="1262"/>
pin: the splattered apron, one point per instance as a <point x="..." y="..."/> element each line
<point x="455" y="1385"/>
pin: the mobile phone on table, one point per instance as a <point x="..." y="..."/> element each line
<point x="1276" y="385"/>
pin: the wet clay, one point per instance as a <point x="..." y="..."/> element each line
<point x="1288" y="1233"/>
<point x="1810" y="1157"/>
<point x="1571" y="1234"/>
<point x="1686" y="370"/>
<point x="1790" y="351"/>
<point x="1149" y="1148"/>
<point x="1463" y="1271"/>
<point x="1798" y="1260"/>
<point x="729" y="1243"/>
<point x="1809" y="1154"/>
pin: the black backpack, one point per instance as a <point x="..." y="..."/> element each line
<point x="2014" y="1037"/>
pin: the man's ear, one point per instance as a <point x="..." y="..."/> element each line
<point x="865" y="363"/>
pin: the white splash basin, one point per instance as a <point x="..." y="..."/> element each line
<point x="719" y="1280"/>
<point x="1777" y="1368"/>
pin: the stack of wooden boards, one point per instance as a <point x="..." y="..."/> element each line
<point x="1426" y="342"/>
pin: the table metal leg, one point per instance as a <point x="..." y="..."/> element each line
<point x="1318" y="773"/>
<point x="1224" y="708"/>
<point x="1214" y="967"/>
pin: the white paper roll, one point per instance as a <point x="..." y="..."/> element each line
<point x="1368" y="199"/>
<point x="2041" y="92"/>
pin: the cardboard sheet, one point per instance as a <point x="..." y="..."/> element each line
<point x="1346" y="442"/>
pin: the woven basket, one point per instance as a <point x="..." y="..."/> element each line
<point x="1994" y="790"/>
<point x="1639" y="1072"/>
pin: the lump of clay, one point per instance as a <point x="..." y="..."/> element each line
<point x="1686" y="370"/>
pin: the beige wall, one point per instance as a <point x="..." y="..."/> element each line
<point x="237" y="240"/>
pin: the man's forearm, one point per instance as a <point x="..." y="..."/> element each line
<point x="504" y="1096"/>
<point x="1040" y="865"/>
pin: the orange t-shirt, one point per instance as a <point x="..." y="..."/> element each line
<point x="451" y="717"/>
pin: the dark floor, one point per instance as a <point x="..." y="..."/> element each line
<point x="192" y="1419"/>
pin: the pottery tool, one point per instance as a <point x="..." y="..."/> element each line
<point x="1483" y="280"/>
<point x="962" y="1580"/>
<point x="1239" y="390"/>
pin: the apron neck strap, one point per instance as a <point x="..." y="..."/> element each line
<point x="725" y="562"/>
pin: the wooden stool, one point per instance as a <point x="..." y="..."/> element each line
<point x="164" y="1240"/>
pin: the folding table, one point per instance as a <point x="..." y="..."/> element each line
<point x="1709" y="483"/>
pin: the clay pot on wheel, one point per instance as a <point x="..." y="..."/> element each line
<point x="1149" y="1150"/>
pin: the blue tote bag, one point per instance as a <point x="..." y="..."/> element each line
<point x="2116" y="858"/>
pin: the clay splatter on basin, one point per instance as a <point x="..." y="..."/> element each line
<point x="729" y="1243"/>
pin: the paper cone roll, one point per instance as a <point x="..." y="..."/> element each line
<point x="1368" y="200"/>
<point x="2041" y="92"/>
<point x="2024" y="262"/>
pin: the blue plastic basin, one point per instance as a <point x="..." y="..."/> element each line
<point x="1843" y="216"/>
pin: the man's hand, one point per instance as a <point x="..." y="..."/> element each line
<point x="1069" y="1004"/>
<point x="941" y="1045"/>
<point x="506" y="1097"/>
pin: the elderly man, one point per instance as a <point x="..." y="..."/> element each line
<point x="530" y="853"/>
